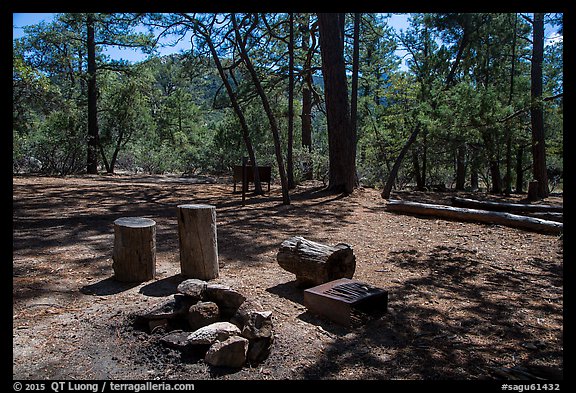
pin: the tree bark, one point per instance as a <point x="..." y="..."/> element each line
<point x="342" y="155"/>
<point x="315" y="263"/>
<point x="92" y="143"/>
<point x="475" y="215"/>
<point x="198" y="241"/>
<point x="536" y="110"/>
<point x="134" y="253"/>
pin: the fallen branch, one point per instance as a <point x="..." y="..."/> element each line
<point x="475" y="215"/>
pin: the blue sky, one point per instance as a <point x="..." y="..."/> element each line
<point x="24" y="19"/>
<point x="398" y="21"/>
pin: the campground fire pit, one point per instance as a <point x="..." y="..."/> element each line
<point x="346" y="301"/>
<point x="214" y="319"/>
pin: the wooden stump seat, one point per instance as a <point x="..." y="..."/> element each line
<point x="134" y="254"/>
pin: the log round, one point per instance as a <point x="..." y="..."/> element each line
<point x="198" y="241"/>
<point x="315" y="263"/>
<point x="134" y="254"/>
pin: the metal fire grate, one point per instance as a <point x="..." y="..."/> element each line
<point x="346" y="301"/>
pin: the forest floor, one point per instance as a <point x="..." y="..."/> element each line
<point x="467" y="301"/>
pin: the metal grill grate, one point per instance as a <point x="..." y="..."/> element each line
<point x="345" y="301"/>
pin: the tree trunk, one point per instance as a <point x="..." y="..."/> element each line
<point x="394" y="172"/>
<point x="92" y="142"/>
<point x="315" y="263"/>
<point x="306" y="115"/>
<point x="198" y="241"/>
<point x="533" y="190"/>
<point x="342" y="155"/>
<point x="536" y="110"/>
<point x="474" y="184"/>
<point x="519" y="169"/>
<point x="416" y="163"/>
<point x="290" y="158"/>
<point x="134" y="254"/>
<point x="239" y="113"/>
<point x="267" y="109"/>
<point x="461" y="167"/>
<point x="354" y="93"/>
<point x="508" y="175"/>
<point x="475" y="215"/>
<point x="495" y="176"/>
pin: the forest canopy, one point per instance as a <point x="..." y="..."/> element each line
<point x="478" y="104"/>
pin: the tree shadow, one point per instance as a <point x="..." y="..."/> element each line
<point x="108" y="286"/>
<point x="417" y="339"/>
<point x="288" y="290"/>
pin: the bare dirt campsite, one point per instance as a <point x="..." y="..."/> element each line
<point x="467" y="300"/>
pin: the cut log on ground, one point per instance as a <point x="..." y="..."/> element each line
<point x="558" y="217"/>
<point x="134" y="254"/>
<point x="475" y="215"/>
<point x="504" y="206"/>
<point x="315" y="263"/>
<point x="198" y="241"/>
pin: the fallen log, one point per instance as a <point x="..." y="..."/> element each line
<point x="504" y="206"/>
<point x="558" y="217"/>
<point x="475" y="215"/>
<point x="315" y="263"/>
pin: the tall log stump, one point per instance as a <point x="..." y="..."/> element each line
<point x="315" y="263"/>
<point x="198" y="241"/>
<point x="134" y="255"/>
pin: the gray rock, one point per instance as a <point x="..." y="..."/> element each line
<point x="193" y="287"/>
<point x="182" y="304"/>
<point x="218" y="331"/>
<point x="259" y="349"/>
<point x="258" y="325"/>
<point x="243" y="313"/>
<point x="228" y="299"/>
<point x="176" y="339"/>
<point x="203" y="314"/>
<point x="228" y="353"/>
<point x="163" y="310"/>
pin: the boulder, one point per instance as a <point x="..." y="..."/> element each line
<point x="258" y="325"/>
<point x="218" y="331"/>
<point x="193" y="287"/>
<point x="177" y="339"/>
<point x="182" y="304"/>
<point x="259" y="349"/>
<point x="163" y="310"/>
<point x="243" y="313"/>
<point x="228" y="353"/>
<point x="203" y="314"/>
<point x="228" y="299"/>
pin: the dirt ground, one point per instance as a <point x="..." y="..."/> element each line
<point x="466" y="301"/>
